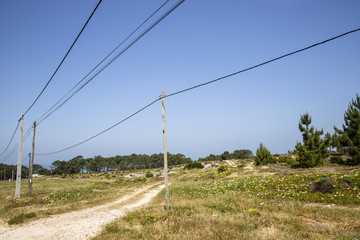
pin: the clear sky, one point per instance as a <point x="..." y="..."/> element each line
<point x="200" y="41"/>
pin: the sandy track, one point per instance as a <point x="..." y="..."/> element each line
<point x="82" y="224"/>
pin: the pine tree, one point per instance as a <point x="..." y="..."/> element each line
<point x="350" y="135"/>
<point x="263" y="155"/>
<point x="312" y="151"/>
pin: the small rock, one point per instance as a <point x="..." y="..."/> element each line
<point x="324" y="186"/>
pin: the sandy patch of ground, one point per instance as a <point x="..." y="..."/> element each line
<point x="249" y="167"/>
<point x="135" y="175"/>
<point x="231" y="163"/>
<point x="82" y="224"/>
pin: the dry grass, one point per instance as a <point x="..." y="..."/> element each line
<point x="55" y="195"/>
<point x="235" y="214"/>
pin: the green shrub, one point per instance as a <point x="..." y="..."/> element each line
<point x="263" y="155"/>
<point x="21" y="217"/>
<point x="241" y="165"/>
<point x="336" y="159"/>
<point x="222" y="168"/>
<point x="193" y="165"/>
<point x="149" y="175"/>
<point x="286" y="159"/>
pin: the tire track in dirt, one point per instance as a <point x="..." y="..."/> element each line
<point x="82" y="224"/>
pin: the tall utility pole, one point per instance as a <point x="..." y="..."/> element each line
<point x="12" y="174"/>
<point x="165" y="153"/>
<point x="29" y="179"/>
<point x="18" y="173"/>
<point x="32" y="160"/>
<point x="4" y="178"/>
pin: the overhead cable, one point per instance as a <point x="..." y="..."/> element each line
<point x="200" y="85"/>
<point x="13" y="150"/>
<point x="62" y="60"/>
<point x="12" y="137"/>
<point x="94" y="136"/>
<point x="116" y="56"/>
<point x="26" y="157"/>
<point x="47" y="114"/>
<point x="261" y="64"/>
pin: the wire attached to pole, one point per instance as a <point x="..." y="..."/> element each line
<point x="48" y="113"/>
<point x="203" y="84"/>
<point x="62" y="60"/>
<point x="261" y="64"/>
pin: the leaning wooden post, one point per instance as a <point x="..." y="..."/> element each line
<point x="18" y="173"/>
<point x="29" y="179"/>
<point x="31" y="163"/>
<point x="165" y="154"/>
<point x="4" y="178"/>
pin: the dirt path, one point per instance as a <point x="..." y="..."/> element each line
<point x="82" y="224"/>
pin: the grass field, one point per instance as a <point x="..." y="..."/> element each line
<point x="272" y="203"/>
<point x="245" y="202"/>
<point x="60" y="194"/>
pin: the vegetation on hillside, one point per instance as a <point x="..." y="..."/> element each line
<point x="98" y="163"/>
<point x="10" y="171"/>
<point x="207" y="205"/>
<point x="237" y="154"/>
<point x="193" y="165"/>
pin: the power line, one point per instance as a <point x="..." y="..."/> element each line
<point x="49" y="81"/>
<point x="13" y="150"/>
<point x="26" y="157"/>
<point x="140" y="36"/>
<point x="200" y="85"/>
<point x="94" y="136"/>
<point x="11" y="153"/>
<point x="132" y="33"/>
<point x="12" y="137"/>
<point x="113" y="59"/>
<point x="62" y="59"/>
<point x="261" y="64"/>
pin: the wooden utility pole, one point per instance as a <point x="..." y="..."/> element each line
<point x="4" y="178"/>
<point x="165" y="154"/>
<point x="18" y="173"/>
<point x="29" y="179"/>
<point x="31" y="162"/>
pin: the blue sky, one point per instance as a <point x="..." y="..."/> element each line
<point x="200" y="41"/>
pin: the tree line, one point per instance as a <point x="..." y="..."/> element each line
<point x="237" y="154"/>
<point x="98" y="163"/>
<point x="10" y="171"/>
